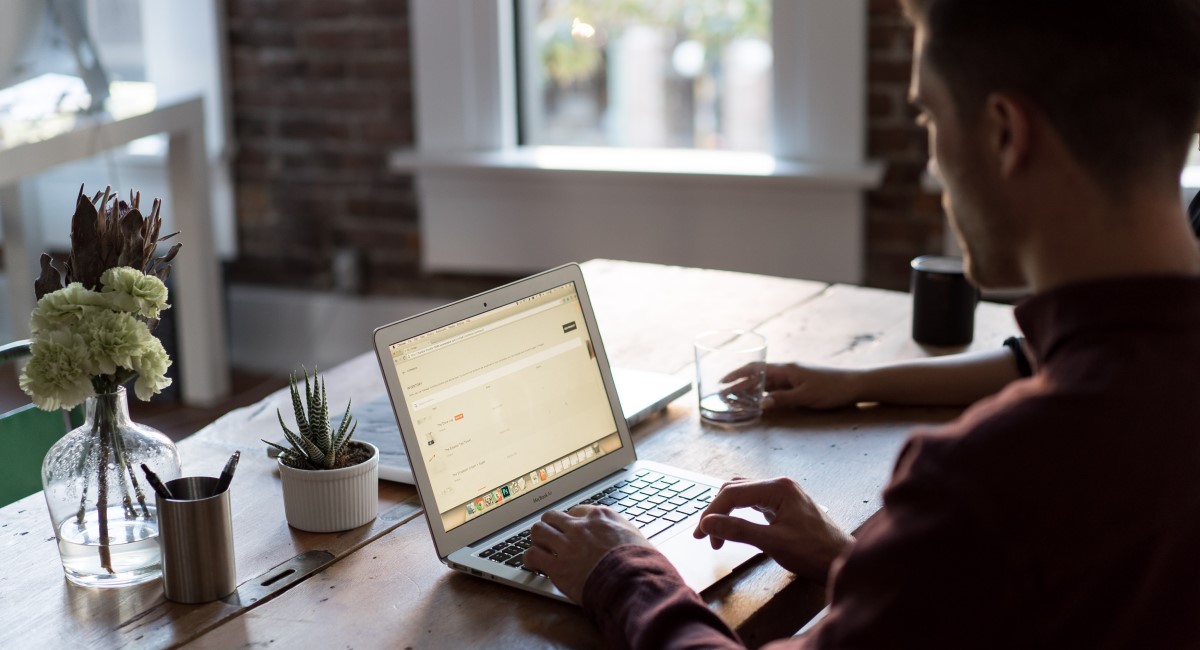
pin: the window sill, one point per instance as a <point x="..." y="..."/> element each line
<point x="668" y="207"/>
<point x="1189" y="181"/>
<point x="649" y="164"/>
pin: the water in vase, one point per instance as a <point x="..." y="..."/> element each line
<point x="133" y="551"/>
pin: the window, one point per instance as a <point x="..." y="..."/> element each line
<point x="71" y="52"/>
<point x="646" y="73"/>
<point x="116" y="27"/>
<point x="1194" y="156"/>
<point x="153" y="53"/>
<point x="484" y="172"/>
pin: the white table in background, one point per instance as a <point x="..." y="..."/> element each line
<point x="196" y="294"/>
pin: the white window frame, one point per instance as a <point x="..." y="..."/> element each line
<point x="800" y="205"/>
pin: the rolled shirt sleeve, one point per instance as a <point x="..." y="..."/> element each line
<point x="638" y="600"/>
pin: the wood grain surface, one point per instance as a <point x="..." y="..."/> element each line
<point x="387" y="587"/>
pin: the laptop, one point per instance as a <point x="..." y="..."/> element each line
<point x="507" y="408"/>
<point x="643" y="393"/>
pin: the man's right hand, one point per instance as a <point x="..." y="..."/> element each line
<point x="799" y="536"/>
<point x="791" y="385"/>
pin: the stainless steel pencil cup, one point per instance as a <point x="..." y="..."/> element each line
<point x="195" y="530"/>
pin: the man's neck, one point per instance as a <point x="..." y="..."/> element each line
<point x="1097" y="240"/>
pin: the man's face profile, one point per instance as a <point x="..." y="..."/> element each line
<point x="957" y="158"/>
<point x="930" y="96"/>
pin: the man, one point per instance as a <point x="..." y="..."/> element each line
<point x="950" y="380"/>
<point x="1065" y="511"/>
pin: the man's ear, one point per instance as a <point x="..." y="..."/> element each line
<point x="1008" y="133"/>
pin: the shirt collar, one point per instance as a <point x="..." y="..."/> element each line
<point x="1118" y="305"/>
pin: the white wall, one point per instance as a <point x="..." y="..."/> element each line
<point x="276" y="330"/>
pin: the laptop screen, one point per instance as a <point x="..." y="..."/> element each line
<point x="504" y="401"/>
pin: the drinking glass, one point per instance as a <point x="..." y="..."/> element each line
<point x="730" y="374"/>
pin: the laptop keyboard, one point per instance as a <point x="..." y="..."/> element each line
<point x="651" y="501"/>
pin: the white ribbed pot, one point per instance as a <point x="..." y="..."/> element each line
<point x="332" y="500"/>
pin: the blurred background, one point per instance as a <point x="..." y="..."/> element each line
<point x="369" y="159"/>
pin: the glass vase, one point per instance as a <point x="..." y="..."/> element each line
<point x="101" y="506"/>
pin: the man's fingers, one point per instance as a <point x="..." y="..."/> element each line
<point x="783" y="399"/>
<point x="745" y="372"/>
<point x="778" y="377"/>
<point x="738" y="385"/>
<point x="563" y="520"/>
<point x="741" y="493"/>
<point x="540" y="560"/>
<point x="547" y="541"/>
<point x="765" y="495"/>
<point x="545" y="535"/>
<point x="721" y="528"/>
<point x="580" y="510"/>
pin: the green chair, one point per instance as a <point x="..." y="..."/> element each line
<point x="26" y="434"/>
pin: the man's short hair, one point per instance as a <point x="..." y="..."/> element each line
<point x="1118" y="79"/>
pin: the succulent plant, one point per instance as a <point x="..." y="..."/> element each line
<point x="314" y="445"/>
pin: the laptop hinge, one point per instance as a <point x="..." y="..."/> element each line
<point x="574" y="496"/>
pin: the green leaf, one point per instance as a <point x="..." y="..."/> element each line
<point x="331" y="459"/>
<point x="282" y="425"/>
<point x="294" y="440"/>
<point x="308" y="402"/>
<point x="301" y="421"/>
<point x="346" y="420"/>
<point x="320" y="419"/>
<point x="292" y="437"/>
<point x="297" y="462"/>
<point x="281" y="448"/>
<point x="341" y="438"/>
<point x="324" y="406"/>
<point x="314" y="453"/>
<point x="346" y="441"/>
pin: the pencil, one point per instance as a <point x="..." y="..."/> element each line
<point x="227" y="473"/>
<point x="155" y="483"/>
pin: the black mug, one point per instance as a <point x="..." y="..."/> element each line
<point x="943" y="301"/>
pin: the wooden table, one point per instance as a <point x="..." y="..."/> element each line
<point x="382" y="586"/>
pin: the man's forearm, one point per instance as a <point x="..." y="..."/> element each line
<point x="953" y="380"/>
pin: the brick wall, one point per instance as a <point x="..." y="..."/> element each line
<point x="903" y="220"/>
<point x="322" y="92"/>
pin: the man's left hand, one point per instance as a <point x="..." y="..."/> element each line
<point x="568" y="545"/>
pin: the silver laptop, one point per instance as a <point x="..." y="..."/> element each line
<point x="507" y="408"/>
<point x="644" y="393"/>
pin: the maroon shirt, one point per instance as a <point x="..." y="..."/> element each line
<point x="1063" y="512"/>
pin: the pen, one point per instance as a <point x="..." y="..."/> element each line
<point x="158" y="486"/>
<point x="227" y="473"/>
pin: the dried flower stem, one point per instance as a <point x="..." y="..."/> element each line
<point x="102" y="493"/>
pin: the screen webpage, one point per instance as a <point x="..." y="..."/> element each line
<point x="505" y="401"/>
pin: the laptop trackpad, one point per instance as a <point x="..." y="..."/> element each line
<point x="698" y="563"/>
